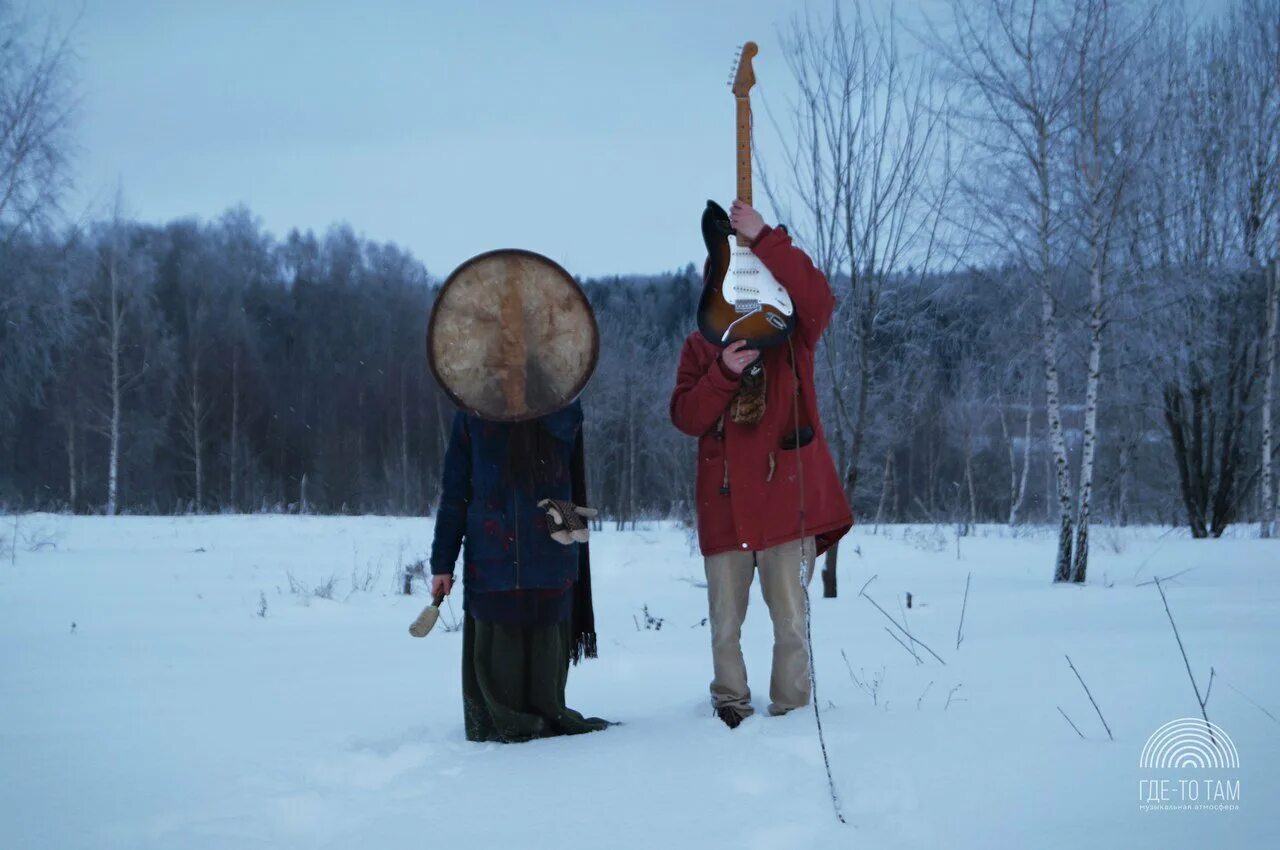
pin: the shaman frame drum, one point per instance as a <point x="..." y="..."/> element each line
<point x="512" y="336"/>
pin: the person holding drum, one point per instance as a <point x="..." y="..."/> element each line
<point x="513" y="490"/>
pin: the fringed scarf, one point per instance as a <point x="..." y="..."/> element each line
<point x="532" y="459"/>
<point x="583" y="635"/>
<point x="747" y="405"/>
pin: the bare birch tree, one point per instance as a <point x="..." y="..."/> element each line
<point x="1019" y="471"/>
<point x="1015" y="73"/>
<point x="864" y="181"/>
<point x="119" y="300"/>
<point x="1253" y="29"/>
<point x="1251" y="54"/>
<point x="1111" y="135"/>
<point x="36" y="107"/>
<point x="195" y="409"/>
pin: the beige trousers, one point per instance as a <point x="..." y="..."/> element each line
<point x="729" y="577"/>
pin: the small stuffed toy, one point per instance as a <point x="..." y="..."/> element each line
<point x="565" y="520"/>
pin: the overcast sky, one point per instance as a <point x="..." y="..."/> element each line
<point x="589" y="131"/>
<point x="592" y="132"/>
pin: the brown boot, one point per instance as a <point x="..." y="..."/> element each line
<point x="731" y="716"/>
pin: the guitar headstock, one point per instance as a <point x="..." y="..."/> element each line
<point x="743" y="76"/>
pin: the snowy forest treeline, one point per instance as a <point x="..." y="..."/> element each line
<point x="1051" y="227"/>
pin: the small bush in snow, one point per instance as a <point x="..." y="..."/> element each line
<point x="324" y="590"/>
<point x="870" y="685"/>
<point x="417" y="569"/>
<point x="41" y="538"/>
<point x="1111" y="539"/>
<point x="363" y="581"/>
<point x="928" y="539"/>
<point x="650" y="623"/>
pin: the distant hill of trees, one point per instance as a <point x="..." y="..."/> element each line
<point x="1052" y="229"/>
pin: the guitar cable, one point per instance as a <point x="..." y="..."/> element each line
<point x="804" y="587"/>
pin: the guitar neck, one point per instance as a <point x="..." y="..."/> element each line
<point x="744" y="150"/>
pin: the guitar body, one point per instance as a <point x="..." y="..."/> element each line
<point x="741" y="300"/>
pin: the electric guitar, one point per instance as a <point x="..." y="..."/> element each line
<point x="740" y="298"/>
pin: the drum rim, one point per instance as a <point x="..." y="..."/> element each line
<point x="555" y="267"/>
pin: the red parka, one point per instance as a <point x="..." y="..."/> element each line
<point x="762" y="507"/>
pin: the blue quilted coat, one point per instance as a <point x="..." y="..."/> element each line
<point x="498" y="526"/>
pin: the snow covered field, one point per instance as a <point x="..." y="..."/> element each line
<point x="207" y="698"/>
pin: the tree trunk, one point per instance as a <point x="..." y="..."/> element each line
<point x="404" y="448"/>
<point x="1122" y="500"/>
<point x="1050" y="487"/>
<point x="71" y="463"/>
<point x="1209" y="470"/>
<point x="1267" y="528"/>
<point x="931" y="478"/>
<point x="1240" y="376"/>
<point x="1062" y="565"/>
<point x="197" y="414"/>
<point x="886" y="482"/>
<point x="1018" y="492"/>
<point x="866" y="327"/>
<point x="968" y="476"/>
<point x="631" y="459"/>
<point x="1185" y="458"/>
<point x="235" y="429"/>
<point x="362" y="474"/>
<point x="1080" y="568"/>
<point x="1013" y="463"/>
<point x="1026" y="453"/>
<point x="830" y="586"/>
<point x="113" y="454"/>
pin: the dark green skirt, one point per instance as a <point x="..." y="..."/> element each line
<point x="513" y="680"/>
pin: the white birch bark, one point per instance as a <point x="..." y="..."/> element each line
<point x="1026" y="463"/>
<point x="1094" y="378"/>
<point x="1049" y="344"/>
<point x="1018" y="481"/>
<point x="1057" y="441"/>
<point x="115" y="321"/>
<point x="1010" y="56"/>
<point x="71" y="464"/>
<point x="197" y="436"/>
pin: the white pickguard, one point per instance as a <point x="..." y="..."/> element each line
<point x="749" y="286"/>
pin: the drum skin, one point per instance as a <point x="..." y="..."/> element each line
<point x="512" y="336"/>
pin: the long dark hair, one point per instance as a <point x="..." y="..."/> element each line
<point x="532" y="459"/>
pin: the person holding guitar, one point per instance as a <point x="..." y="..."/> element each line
<point x="768" y="495"/>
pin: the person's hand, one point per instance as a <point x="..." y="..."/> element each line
<point x="441" y="585"/>
<point x="737" y="356"/>
<point x="745" y="220"/>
